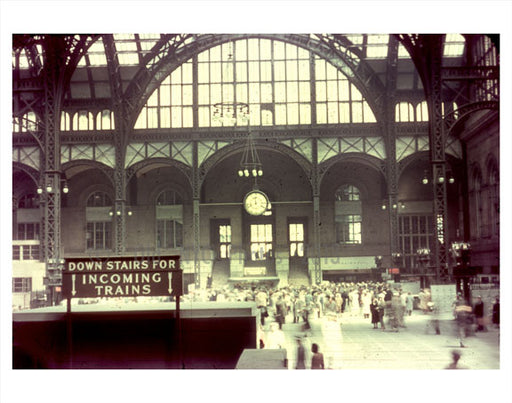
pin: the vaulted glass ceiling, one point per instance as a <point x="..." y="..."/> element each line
<point x="131" y="57"/>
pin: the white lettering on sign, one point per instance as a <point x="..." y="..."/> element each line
<point x="127" y="265"/>
<point x="163" y="264"/>
<point x="119" y="290"/>
<point x="111" y="277"/>
<point x="81" y="266"/>
<point x="121" y="278"/>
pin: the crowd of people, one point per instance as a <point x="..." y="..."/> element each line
<point x="385" y="306"/>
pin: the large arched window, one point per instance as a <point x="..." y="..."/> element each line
<point x="28" y="122"/>
<point x="98" y="214"/>
<point x="274" y="78"/>
<point x="494" y="197"/>
<point x="422" y="112"/>
<point x="404" y="112"/>
<point x="65" y="121"/>
<point x="347" y="193"/>
<point x="169" y="220"/>
<point x="83" y="120"/>
<point x="477" y="202"/>
<point x="348" y="215"/>
<point x="105" y="120"/>
<point x="27" y="219"/>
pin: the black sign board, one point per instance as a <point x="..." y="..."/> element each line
<point x="122" y="277"/>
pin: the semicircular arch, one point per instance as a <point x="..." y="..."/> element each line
<point x="239" y="146"/>
<point x="33" y="173"/>
<point x="74" y="167"/>
<point x="360" y="158"/>
<point x="149" y="163"/>
<point x="146" y="81"/>
<point x="464" y="112"/>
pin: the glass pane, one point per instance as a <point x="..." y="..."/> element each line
<point x="293" y="114"/>
<point x="215" y="72"/>
<point x="268" y="232"/>
<point x="178" y="235"/>
<point x="279" y="71"/>
<point x="414" y="225"/>
<point x="300" y="249"/>
<point x="304" y="70"/>
<point x="300" y="232"/>
<point x="266" y="93"/>
<point x="344" y="112"/>
<point x="254" y="71"/>
<point x="305" y="114"/>
<point x="304" y="92"/>
<point x="281" y="114"/>
<point x="280" y="95"/>
<point x="266" y="71"/>
<point x="203" y="72"/>
<point x="292" y="92"/>
<point x="321" y="94"/>
<point x="291" y="70"/>
<point x="321" y="113"/>
<point x="293" y="249"/>
<point x="187" y="95"/>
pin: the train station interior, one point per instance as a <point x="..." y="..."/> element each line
<point x="295" y="163"/>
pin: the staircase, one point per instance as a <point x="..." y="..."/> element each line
<point x="220" y="273"/>
<point x="298" y="275"/>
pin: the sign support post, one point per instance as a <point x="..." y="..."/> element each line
<point x="69" y="333"/>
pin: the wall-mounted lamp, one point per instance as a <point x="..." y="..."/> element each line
<point x="118" y="213"/>
<point x="49" y="187"/>
<point x="425" y="178"/>
<point x="394" y="206"/>
<point x="441" y="179"/>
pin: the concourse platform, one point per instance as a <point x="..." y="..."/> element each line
<point x="353" y="344"/>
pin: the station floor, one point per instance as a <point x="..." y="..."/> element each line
<point x="353" y="344"/>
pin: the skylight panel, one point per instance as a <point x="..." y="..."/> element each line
<point x="355" y="39"/>
<point x="402" y="52"/>
<point x="96" y="54"/>
<point x="454" y="45"/>
<point x="126" y="47"/>
<point x="24" y="64"/>
<point x="147" y="41"/>
<point x="124" y="37"/>
<point x="377" y="46"/>
<point x="128" y="58"/>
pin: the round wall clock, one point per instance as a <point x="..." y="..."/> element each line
<point x="255" y="202"/>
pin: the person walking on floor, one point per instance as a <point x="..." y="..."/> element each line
<point x="374" y="309"/>
<point x="301" y="355"/>
<point x="496" y="313"/>
<point x="317" y="360"/>
<point x="479" y="315"/>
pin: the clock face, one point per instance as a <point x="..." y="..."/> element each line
<point x="255" y="202"/>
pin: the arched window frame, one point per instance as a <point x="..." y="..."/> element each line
<point x="477" y="200"/>
<point x="105" y="120"/>
<point x="422" y="112"/>
<point x="273" y="77"/>
<point x="169" y="220"/>
<point x="65" y="121"/>
<point x="404" y="112"/>
<point x="99" y="227"/>
<point x="348" y="215"/>
<point x="83" y="120"/>
<point x="493" y="197"/>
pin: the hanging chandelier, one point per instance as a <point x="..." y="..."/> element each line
<point x="237" y="114"/>
<point x="230" y="112"/>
